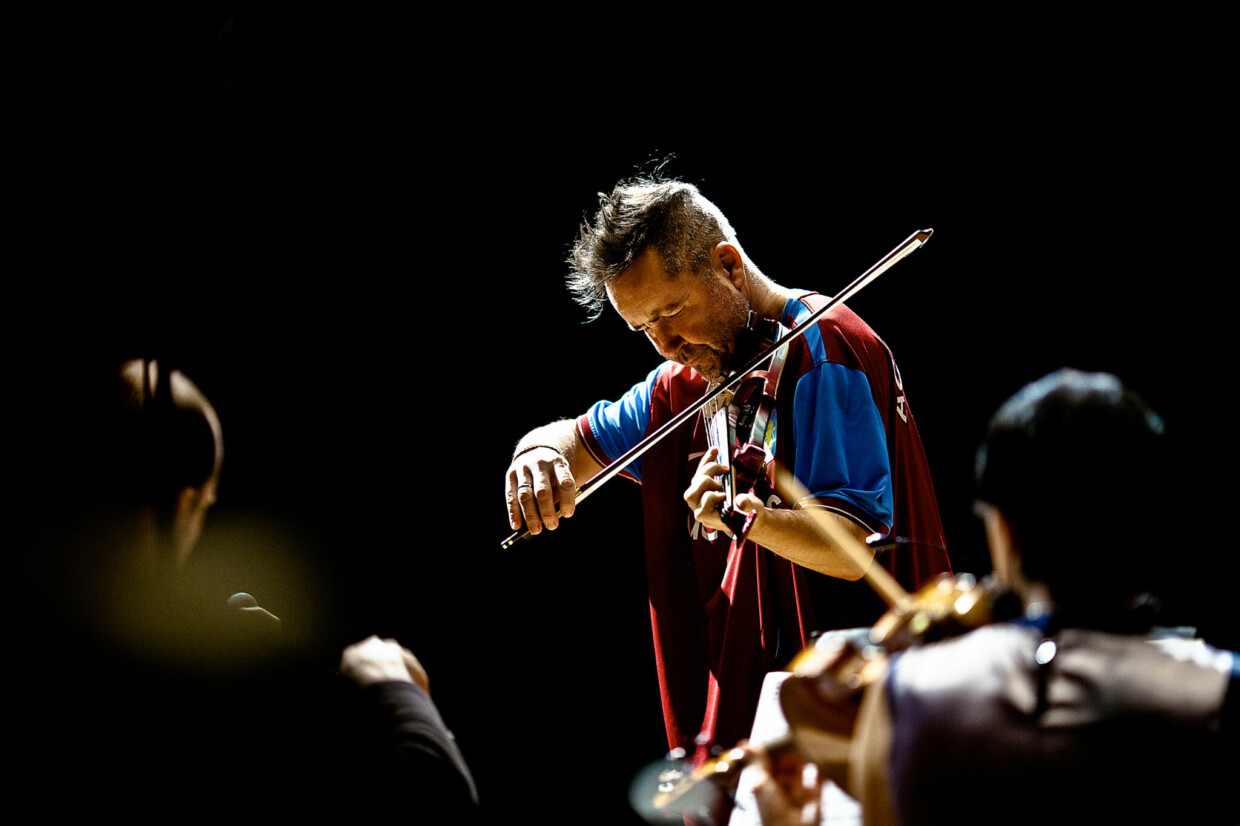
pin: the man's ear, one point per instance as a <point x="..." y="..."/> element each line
<point x="727" y="260"/>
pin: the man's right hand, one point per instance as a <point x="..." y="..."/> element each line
<point x="538" y="480"/>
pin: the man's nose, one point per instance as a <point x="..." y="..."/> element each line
<point x="664" y="339"/>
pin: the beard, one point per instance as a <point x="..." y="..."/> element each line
<point x="713" y="359"/>
<point x="711" y="363"/>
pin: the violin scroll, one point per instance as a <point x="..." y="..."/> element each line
<point x="670" y="789"/>
<point x="945" y="607"/>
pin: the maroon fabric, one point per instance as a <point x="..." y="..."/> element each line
<point x="715" y="607"/>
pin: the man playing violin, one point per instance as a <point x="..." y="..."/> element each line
<point x="724" y="612"/>
<point x="1076" y="709"/>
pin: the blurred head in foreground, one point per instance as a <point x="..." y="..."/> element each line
<point x="126" y="464"/>
<point x="168" y="448"/>
<point x="1067" y="478"/>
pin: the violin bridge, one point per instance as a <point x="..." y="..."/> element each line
<point x="718" y="403"/>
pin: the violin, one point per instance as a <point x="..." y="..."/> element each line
<point x="821" y="697"/>
<point x="754" y="368"/>
<point x="739" y="423"/>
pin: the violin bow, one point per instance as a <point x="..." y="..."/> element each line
<point x="906" y="247"/>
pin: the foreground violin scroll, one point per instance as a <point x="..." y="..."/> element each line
<point x="899" y="253"/>
<point x="666" y="791"/>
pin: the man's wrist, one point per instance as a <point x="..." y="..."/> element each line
<point x="529" y="448"/>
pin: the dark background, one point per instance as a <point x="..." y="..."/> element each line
<point x="350" y="232"/>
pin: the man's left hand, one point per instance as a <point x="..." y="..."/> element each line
<point x="705" y="495"/>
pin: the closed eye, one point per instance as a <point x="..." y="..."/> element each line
<point x="646" y="327"/>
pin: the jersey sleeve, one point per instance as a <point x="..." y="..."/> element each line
<point x="609" y="428"/>
<point x="841" y="454"/>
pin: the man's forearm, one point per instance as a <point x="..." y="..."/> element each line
<point x="817" y="539"/>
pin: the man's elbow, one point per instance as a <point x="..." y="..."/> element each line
<point x="856" y="569"/>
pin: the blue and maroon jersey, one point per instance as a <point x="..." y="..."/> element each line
<point x="723" y="615"/>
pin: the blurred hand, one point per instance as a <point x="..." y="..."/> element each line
<point x="374" y="660"/>
<point x="788" y="790"/>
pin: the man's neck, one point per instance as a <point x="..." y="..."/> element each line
<point x="766" y="298"/>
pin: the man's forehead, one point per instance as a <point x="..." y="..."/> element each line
<point x="645" y="290"/>
<point x="648" y="266"/>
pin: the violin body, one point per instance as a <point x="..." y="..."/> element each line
<point x="822" y="698"/>
<point x="739" y="422"/>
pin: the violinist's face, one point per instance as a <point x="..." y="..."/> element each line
<point x="691" y="319"/>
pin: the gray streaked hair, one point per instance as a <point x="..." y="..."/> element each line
<point x="670" y="216"/>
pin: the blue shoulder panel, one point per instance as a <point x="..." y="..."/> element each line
<point x="841" y="442"/>
<point x="621" y="424"/>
